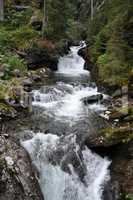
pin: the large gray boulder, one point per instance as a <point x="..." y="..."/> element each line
<point x="92" y="99"/>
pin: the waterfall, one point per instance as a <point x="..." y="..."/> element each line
<point x="60" y="185"/>
<point x="67" y="169"/>
<point x="72" y="64"/>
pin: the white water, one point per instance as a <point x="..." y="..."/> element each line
<point x="63" y="102"/>
<point x="72" y="64"/>
<point x="59" y="185"/>
<point x="67" y="105"/>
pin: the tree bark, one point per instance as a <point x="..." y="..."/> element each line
<point x="44" y="18"/>
<point x="1" y="10"/>
<point x="92" y="9"/>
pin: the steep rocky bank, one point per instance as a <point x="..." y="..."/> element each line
<point x="110" y="142"/>
<point x="18" y="177"/>
<point x="115" y="141"/>
<point x="18" y="180"/>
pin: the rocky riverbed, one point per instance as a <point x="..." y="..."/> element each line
<point x="114" y="141"/>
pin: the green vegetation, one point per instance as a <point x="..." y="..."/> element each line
<point x="127" y="197"/>
<point x="118" y="134"/>
<point x="16" y="35"/>
<point x="10" y="63"/>
<point x="110" y="39"/>
<point x="8" y="89"/>
<point x="107" y="32"/>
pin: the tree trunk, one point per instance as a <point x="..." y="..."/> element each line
<point x="92" y="9"/>
<point x="44" y="18"/>
<point x="1" y="10"/>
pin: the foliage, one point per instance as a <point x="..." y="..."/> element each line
<point x="10" y="89"/>
<point x="11" y="63"/>
<point x="3" y="90"/>
<point x="112" y="70"/>
<point x="74" y="30"/>
<point x="118" y="134"/>
<point x="23" y="37"/>
<point x="129" y="197"/>
<point x="15" y="19"/>
<point x="5" y="40"/>
<point x="111" y="46"/>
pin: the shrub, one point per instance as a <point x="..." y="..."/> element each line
<point x="12" y="62"/>
<point x="23" y="37"/>
<point x="17" y="19"/>
<point x="112" y="70"/>
<point x="5" y="39"/>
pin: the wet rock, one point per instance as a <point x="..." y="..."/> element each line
<point x="106" y="101"/>
<point x="117" y="93"/>
<point x="117" y="144"/>
<point x="27" y="82"/>
<point x="17" y="179"/>
<point x="129" y="118"/>
<point x="118" y="115"/>
<point x="121" y="167"/>
<point x="16" y="73"/>
<point x="84" y="53"/>
<point x="7" y="112"/>
<point x="36" y="23"/>
<point x="109" y="137"/>
<point x="36" y="77"/>
<point x="40" y="57"/>
<point x="92" y="99"/>
<point x="112" y="191"/>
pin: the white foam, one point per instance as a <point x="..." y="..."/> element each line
<point x="72" y="64"/>
<point x="59" y="185"/>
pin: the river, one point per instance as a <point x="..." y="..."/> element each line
<point x="68" y="170"/>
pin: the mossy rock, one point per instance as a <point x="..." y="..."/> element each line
<point x="7" y="111"/>
<point x="117" y="135"/>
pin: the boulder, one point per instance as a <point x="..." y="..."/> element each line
<point x="36" y="23"/>
<point x="117" y="145"/>
<point x="38" y="57"/>
<point x="117" y="93"/>
<point x="7" y="112"/>
<point x="109" y="137"/>
<point x="36" y="77"/>
<point x="129" y="118"/>
<point x="121" y="167"/>
<point x="17" y="73"/>
<point x="20" y="8"/>
<point x="17" y="177"/>
<point x="117" y="115"/>
<point x="84" y="53"/>
<point x="27" y="82"/>
<point x="92" y="99"/>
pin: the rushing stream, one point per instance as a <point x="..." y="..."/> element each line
<point x="67" y="169"/>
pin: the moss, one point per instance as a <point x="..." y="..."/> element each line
<point x="7" y="111"/>
<point x="3" y="91"/>
<point x="118" y="134"/>
<point x="9" y="89"/>
<point x="23" y="37"/>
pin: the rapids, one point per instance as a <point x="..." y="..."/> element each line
<point x="68" y="170"/>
